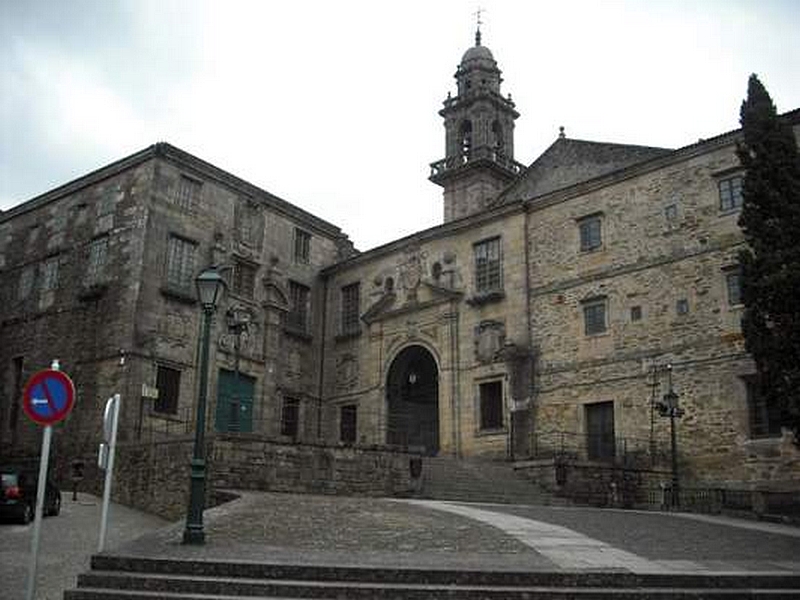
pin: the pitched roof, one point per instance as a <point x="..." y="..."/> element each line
<point x="567" y="162"/>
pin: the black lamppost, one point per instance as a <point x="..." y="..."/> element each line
<point x="210" y="287"/>
<point x="669" y="407"/>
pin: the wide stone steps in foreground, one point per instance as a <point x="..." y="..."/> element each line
<point x="134" y="578"/>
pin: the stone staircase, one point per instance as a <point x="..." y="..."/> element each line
<point x="137" y="578"/>
<point x="475" y="480"/>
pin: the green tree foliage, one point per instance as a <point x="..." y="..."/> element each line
<point x="770" y="220"/>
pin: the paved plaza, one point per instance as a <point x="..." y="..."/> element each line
<point x="345" y="531"/>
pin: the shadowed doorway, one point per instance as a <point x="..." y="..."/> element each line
<point x="412" y="393"/>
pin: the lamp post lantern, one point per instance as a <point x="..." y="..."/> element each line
<point x="210" y="288"/>
<point x="669" y="407"/>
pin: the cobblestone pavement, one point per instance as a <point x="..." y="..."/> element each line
<point x="369" y="531"/>
<point x="67" y="541"/>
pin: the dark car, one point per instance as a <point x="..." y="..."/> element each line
<point x="18" y="495"/>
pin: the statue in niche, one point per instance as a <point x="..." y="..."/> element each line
<point x="490" y="336"/>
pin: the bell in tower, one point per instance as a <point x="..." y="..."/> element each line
<point x="479" y="137"/>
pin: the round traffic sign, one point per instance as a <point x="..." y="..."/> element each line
<point x="48" y="397"/>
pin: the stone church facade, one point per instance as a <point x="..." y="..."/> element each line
<point x="554" y="308"/>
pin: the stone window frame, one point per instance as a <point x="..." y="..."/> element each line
<point x="168" y="383"/>
<point x="592" y="325"/>
<point x="96" y="260"/>
<point x="350" y="313"/>
<point x="763" y="421"/>
<point x="733" y="285"/>
<point x="298" y="317"/>
<point x="243" y="278"/>
<point x="590" y="232"/>
<point x="180" y="264"/>
<point x="682" y="307"/>
<point x="348" y="427"/>
<point x="637" y="314"/>
<point x="488" y="262"/>
<point x="290" y="417"/>
<point x="27" y="282"/>
<point x="729" y="192"/>
<point x="186" y="192"/>
<point x="302" y="246"/>
<point x="48" y="280"/>
<point x="490" y="411"/>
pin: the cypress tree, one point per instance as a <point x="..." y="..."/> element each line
<point x="770" y="266"/>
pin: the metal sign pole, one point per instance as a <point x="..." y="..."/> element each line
<point x="44" y="459"/>
<point x="111" y="418"/>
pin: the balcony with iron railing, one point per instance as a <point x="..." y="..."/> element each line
<point x="475" y="155"/>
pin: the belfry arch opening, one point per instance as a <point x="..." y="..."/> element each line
<point x="412" y="394"/>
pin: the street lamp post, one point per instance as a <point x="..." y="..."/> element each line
<point x="210" y="287"/>
<point x="669" y="407"/>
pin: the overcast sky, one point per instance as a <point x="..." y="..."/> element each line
<point x="332" y="105"/>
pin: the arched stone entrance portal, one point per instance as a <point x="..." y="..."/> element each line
<point x="412" y="394"/>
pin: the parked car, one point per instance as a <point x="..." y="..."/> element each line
<point x="18" y="495"/>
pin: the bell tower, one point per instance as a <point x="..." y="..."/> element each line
<point x="479" y="137"/>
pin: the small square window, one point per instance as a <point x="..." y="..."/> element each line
<point x="730" y="193"/>
<point x="682" y="306"/>
<point x="636" y="313"/>
<point x="591" y="233"/>
<point x="594" y="316"/>
<point x="491" y="405"/>
<point x="302" y="246"/>
<point x="671" y="213"/>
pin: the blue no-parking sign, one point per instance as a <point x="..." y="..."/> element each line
<point x="48" y="397"/>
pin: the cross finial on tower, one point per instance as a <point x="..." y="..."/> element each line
<point x="477" y="14"/>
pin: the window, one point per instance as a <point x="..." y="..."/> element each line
<point x="594" y="316"/>
<point x="600" y="442"/>
<point x="733" y="283"/>
<point x="249" y="222"/>
<point x="290" y="417"/>
<point x="671" y="213"/>
<point x="168" y="382"/>
<point x="466" y="134"/>
<point x="302" y="246"/>
<point x="180" y="264"/>
<point x="348" y="419"/>
<point x="244" y="278"/>
<point x="730" y="193"/>
<point x="591" y="233"/>
<point x="186" y="192"/>
<point x="636" y="313"/>
<point x="26" y="279"/>
<point x="351" y="295"/>
<point x="50" y="274"/>
<point x="488" y="273"/>
<point x="298" y="309"/>
<point x="682" y="307"/>
<point x="491" y="405"/>
<point x="98" y="252"/>
<point x="763" y="416"/>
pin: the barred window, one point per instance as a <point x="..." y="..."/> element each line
<point x="594" y="316"/>
<point x="181" y="256"/>
<point x="730" y="193"/>
<point x="488" y="266"/>
<point x="591" y="232"/>
<point x="348" y="420"/>
<point x="244" y="278"/>
<point x="298" y="310"/>
<point x="168" y="382"/>
<point x="302" y="246"/>
<point x="50" y="274"/>
<point x="96" y="266"/>
<point x="351" y="297"/>
<point x="763" y="415"/>
<point x="290" y="417"/>
<point x="186" y="192"/>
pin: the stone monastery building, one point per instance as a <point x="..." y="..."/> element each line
<point x="555" y="305"/>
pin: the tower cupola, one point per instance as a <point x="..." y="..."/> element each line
<point x="479" y="137"/>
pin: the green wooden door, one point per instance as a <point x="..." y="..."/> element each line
<point x="235" y="402"/>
